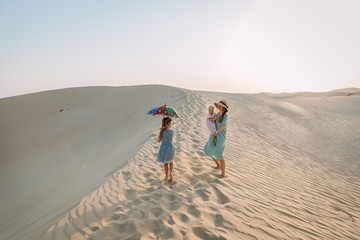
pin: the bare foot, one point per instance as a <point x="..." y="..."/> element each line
<point x="171" y="179"/>
<point x="217" y="164"/>
<point x="166" y="178"/>
<point x="223" y="176"/>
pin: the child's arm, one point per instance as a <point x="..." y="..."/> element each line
<point x="217" y="117"/>
<point x="214" y="119"/>
<point x="159" y="140"/>
<point x="210" y="119"/>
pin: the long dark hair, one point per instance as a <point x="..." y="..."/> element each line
<point x="223" y="115"/>
<point x="164" y="124"/>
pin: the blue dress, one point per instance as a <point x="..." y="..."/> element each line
<point x="166" y="151"/>
<point x="216" y="152"/>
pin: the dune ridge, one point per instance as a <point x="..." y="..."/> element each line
<point x="292" y="166"/>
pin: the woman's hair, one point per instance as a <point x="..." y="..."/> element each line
<point x="222" y="115"/>
<point x="165" y="123"/>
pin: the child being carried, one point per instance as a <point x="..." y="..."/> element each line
<point x="210" y="122"/>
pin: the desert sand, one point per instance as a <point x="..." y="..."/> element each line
<point x="80" y="164"/>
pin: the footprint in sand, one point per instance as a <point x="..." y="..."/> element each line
<point x="194" y="211"/>
<point x="156" y="211"/>
<point x="94" y="228"/>
<point x="115" y="217"/>
<point x="221" y="198"/>
<point x="219" y="220"/>
<point x="156" y="196"/>
<point x="125" y="229"/>
<point x="170" y="197"/>
<point x="145" y="198"/>
<point x="203" y="233"/>
<point x="130" y="193"/>
<point x="140" y="215"/>
<point x="170" y="220"/>
<point x="150" y="190"/>
<point x="126" y="175"/>
<point x="171" y="203"/>
<point x="204" y="194"/>
<point x="184" y="218"/>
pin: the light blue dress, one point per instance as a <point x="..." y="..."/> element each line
<point x="166" y="151"/>
<point x="216" y="152"/>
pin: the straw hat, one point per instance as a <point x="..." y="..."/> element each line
<point x="222" y="103"/>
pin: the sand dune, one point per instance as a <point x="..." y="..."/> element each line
<point x="89" y="170"/>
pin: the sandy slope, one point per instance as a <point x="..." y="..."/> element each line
<point x="292" y="164"/>
<point x="58" y="145"/>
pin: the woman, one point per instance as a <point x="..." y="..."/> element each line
<point x="216" y="152"/>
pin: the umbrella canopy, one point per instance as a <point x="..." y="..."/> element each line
<point x="164" y="111"/>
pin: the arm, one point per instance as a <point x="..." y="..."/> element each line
<point x="220" y="129"/>
<point x="217" y="117"/>
<point x="214" y="119"/>
<point x="159" y="140"/>
<point x="224" y="123"/>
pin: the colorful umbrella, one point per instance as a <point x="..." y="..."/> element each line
<point x="164" y="111"/>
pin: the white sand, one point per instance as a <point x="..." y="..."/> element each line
<point x="88" y="171"/>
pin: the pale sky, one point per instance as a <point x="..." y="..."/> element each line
<point x="238" y="46"/>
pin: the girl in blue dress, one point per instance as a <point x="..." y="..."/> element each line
<point x="216" y="152"/>
<point x="166" y="152"/>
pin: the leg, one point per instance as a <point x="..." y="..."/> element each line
<point x="166" y="168"/>
<point x="222" y="163"/>
<point x="217" y="164"/>
<point x="214" y="140"/>
<point x="171" y="172"/>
